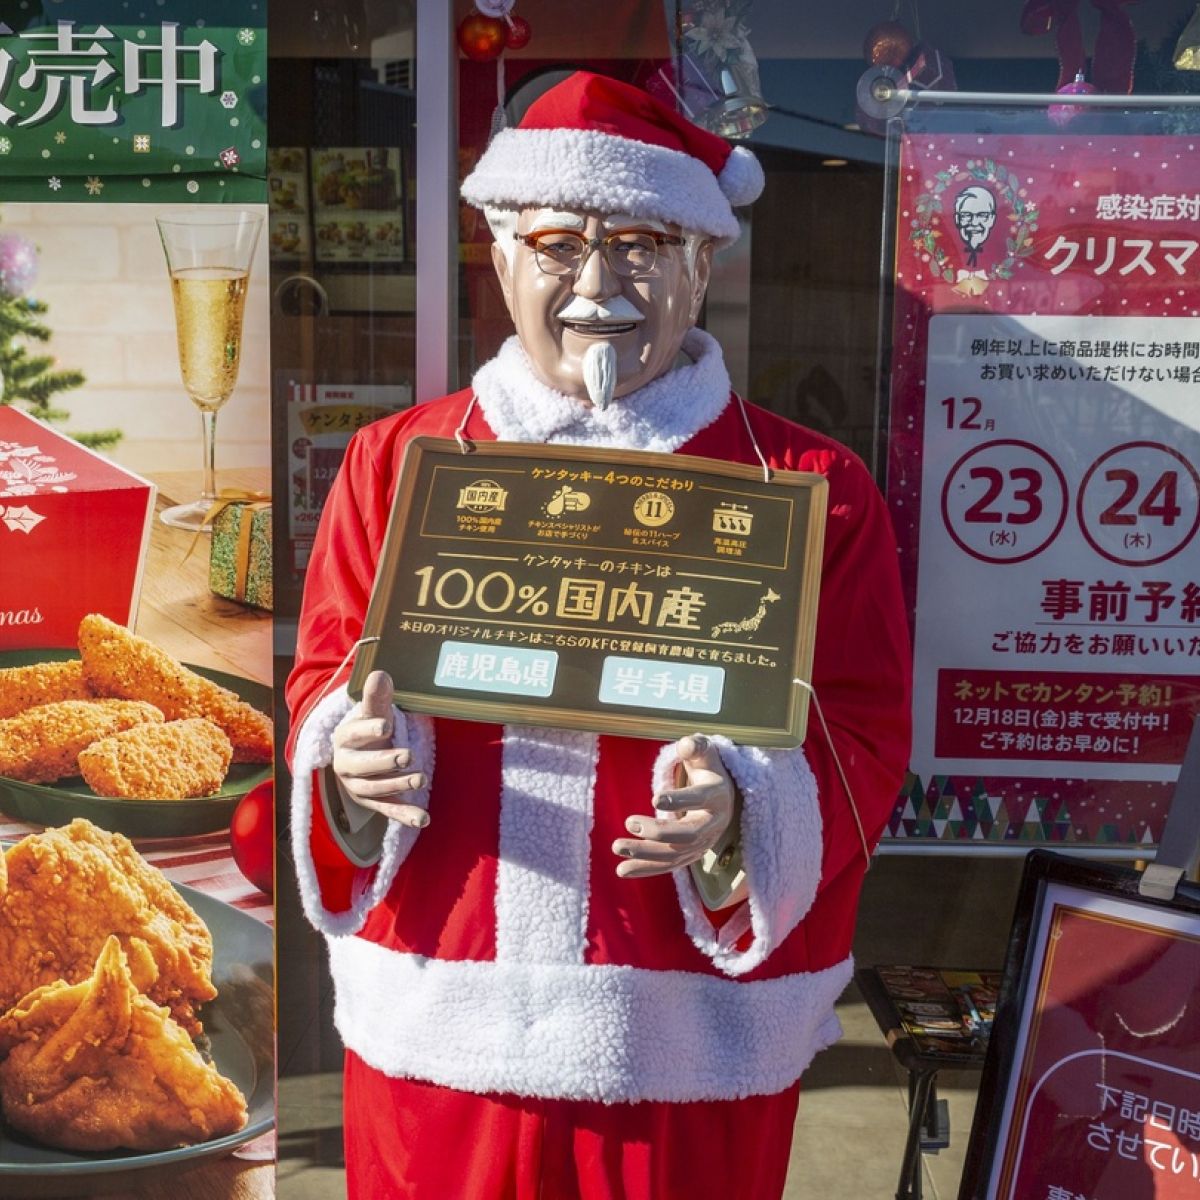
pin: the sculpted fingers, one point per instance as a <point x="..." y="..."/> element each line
<point x="361" y="733"/>
<point x="715" y="797"/>
<point x="356" y="763"/>
<point x="371" y="726"/>
<point x="381" y="786"/>
<point x="406" y="814"/>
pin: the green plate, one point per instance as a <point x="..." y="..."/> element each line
<point x="240" y="1028"/>
<point x="60" y="803"/>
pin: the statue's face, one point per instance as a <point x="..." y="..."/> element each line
<point x="642" y="314"/>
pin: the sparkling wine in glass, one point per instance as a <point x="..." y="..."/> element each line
<point x="208" y="257"/>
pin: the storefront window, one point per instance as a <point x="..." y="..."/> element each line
<point x="869" y="293"/>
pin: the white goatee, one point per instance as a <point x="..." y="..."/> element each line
<point x="600" y="373"/>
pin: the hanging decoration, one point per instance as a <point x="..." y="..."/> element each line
<point x="1063" y="114"/>
<point x="480" y="37"/>
<point x="714" y="74"/>
<point x="519" y="33"/>
<point x="888" y="44"/>
<point x="1187" y="48"/>
<point x="1112" y="55"/>
<point x="901" y="60"/>
<point x="485" y="34"/>
<point x="491" y="29"/>
<point x="18" y="265"/>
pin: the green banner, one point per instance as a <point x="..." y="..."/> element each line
<point x="167" y="108"/>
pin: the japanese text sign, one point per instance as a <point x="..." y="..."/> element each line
<point x="649" y="595"/>
<point x="1092" y="1086"/>
<point x="95" y="104"/>
<point x="1044" y="477"/>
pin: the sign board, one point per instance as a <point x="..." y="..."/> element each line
<point x="1044" y="476"/>
<point x="648" y="595"/>
<point x="158" y="103"/>
<point x="1092" y="1085"/>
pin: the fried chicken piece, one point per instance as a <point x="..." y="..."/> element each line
<point x="96" y="1066"/>
<point x="62" y="892"/>
<point x="41" y="683"/>
<point x="119" y="663"/>
<point x="159" y="762"/>
<point x="43" y="744"/>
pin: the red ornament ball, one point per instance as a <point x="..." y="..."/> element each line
<point x="519" y="33"/>
<point x="252" y="836"/>
<point x="481" y="38"/>
<point x="888" y="44"/>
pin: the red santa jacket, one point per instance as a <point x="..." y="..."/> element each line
<point x="497" y="950"/>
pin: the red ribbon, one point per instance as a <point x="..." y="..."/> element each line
<point x="1113" y="54"/>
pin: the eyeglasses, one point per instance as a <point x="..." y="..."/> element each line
<point x="628" y="253"/>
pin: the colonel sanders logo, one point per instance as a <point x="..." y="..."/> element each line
<point x="974" y="215"/>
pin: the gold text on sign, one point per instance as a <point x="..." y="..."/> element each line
<point x="654" y="508"/>
<point x="484" y="495"/>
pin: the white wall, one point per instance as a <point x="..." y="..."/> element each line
<point x="102" y="272"/>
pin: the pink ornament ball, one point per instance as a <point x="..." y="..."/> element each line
<point x="18" y="264"/>
<point x="1063" y="114"/>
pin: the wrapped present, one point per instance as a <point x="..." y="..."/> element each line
<point x="239" y="565"/>
<point x="74" y="528"/>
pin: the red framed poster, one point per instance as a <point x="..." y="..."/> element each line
<point x="1091" y="1086"/>
<point x="1044" y="472"/>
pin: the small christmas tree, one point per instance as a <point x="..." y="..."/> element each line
<point x="30" y="380"/>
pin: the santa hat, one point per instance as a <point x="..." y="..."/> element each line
<point x="594" y="142"/>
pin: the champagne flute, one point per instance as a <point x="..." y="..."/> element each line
<point x="208" y="257"/>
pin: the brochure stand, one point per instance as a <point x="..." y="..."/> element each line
<point x="933" y="1019"/>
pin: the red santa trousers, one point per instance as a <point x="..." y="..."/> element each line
<point x="449" y="1145"/>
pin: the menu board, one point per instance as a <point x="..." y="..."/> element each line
<point x="1092" y="1085"/>
<point x="287" y="197"/>
<point x="356" y="200"/>
<point x="615" y="591"/>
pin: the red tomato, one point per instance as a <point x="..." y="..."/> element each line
<point x="252" y="836"/>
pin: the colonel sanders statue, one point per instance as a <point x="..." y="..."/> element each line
<point x="534" y="999"/>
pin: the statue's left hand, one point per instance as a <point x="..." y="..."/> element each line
<point x="690" y="819"/>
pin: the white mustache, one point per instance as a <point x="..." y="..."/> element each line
<point x="616" y="310"/>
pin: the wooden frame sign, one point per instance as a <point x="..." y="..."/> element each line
<point x="648" y="595"/>
<point x="1092" y="1082"/>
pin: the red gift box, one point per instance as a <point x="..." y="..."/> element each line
<point x="74" y="529"/>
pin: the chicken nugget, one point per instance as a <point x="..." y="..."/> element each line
<point x="119" y="663"/>
<point x="41" y="683"/>
<point x="43" y="744"/>
<point x="159" y="762"/>
<point x="96" y="1066"/>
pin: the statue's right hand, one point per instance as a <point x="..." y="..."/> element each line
<point x="372" y="771"/>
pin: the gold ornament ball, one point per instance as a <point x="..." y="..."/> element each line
<point x="887" y="44"/>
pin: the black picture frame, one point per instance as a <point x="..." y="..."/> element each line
<point x="1043" y="868"/>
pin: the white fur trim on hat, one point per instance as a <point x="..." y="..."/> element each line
<point x="314" y="752"/>
<point x="584" y="168"/>
<point x="781" y="852"/>
<point x="580" y="1032"/>
<point x="741" y="177"/>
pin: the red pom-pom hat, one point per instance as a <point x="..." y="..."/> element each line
<point x="597" y="143"/>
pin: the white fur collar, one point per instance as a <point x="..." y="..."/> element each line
<point x="661" y="416"/>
